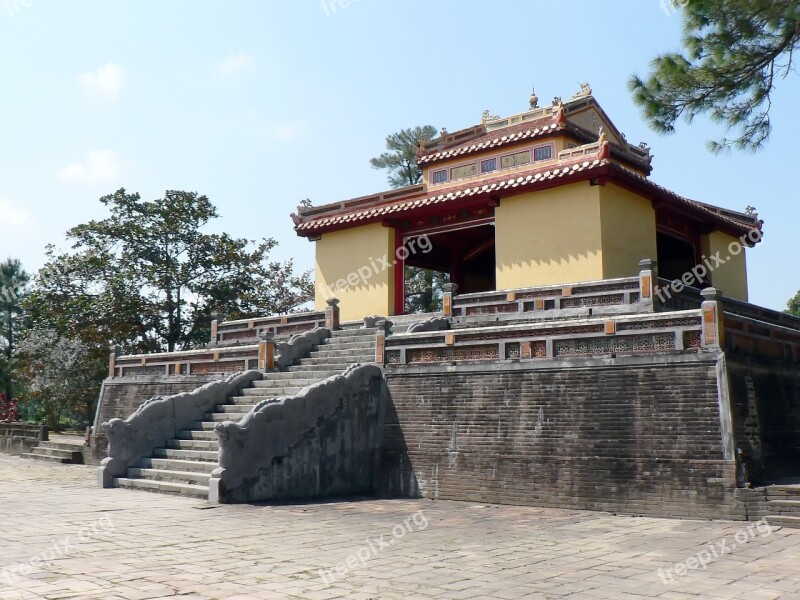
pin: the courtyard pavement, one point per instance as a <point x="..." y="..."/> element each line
<point x="61" y="537"/>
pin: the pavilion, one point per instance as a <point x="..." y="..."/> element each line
<point x="552" y="195"/>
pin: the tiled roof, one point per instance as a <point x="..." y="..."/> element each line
<point x="501" y="137"/>
<point x="465" y="191"/>
<point x="340" y="218"/>
<point x="741" y="221"/>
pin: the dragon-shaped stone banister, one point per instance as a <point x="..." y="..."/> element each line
<point x="252" y="451"/>
<point x="160" y="419"/>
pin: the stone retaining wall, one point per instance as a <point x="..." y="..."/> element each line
<point x="636" y="435"/>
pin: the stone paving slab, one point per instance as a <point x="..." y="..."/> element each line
<point x="63" y="538"/>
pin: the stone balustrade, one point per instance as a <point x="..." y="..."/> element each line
<point x="247" y="331"/>
<point x="578" y="151"/>
<point x="190" y="362"/>
<point x="611" y="292"/>
<point x="599" y="336"/>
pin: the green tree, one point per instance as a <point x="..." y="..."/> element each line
<point x="401" y="159"/>
<point x="423" y="286"/>
<point x="793" y="305"/>
<point x="733" y="52"/>
<point x="59" y="375"/>
<point x="149" y="277"/>
<point x="13" y="288"/>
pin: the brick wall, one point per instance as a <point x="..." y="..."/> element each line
<point x="121" y="396"/>
<point x="765" y="407"/>
<point x="637" y="435"/>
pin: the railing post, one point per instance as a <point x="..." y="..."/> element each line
<point x="112" y="361"/>
<point x="450" y="290"/>
<point x="214" y="327"/>
<point x="648" y="278"/>
<point x="332" y="314"/>
<point x="380" y="346"/>
<point x="713" y="335"/>
<point x="384" y="328"/>
<point x="266" y="351"/>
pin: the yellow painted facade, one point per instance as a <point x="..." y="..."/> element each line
<point x="628" y="231"/>
<point x="349" y="267"/>
<point x="548" y="237"/>
<point x="731" y="277"/>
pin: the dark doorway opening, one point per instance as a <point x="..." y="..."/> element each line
<point x="676" y="256"/>
<point x="463" y="255"/>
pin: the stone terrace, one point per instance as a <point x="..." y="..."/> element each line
<point x="164" y="546"/>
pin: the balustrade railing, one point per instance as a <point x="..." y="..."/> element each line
<point x="622" y="334"/>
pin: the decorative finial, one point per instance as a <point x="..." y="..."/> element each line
<point x="443" y="132"/>
<point x="586" y="90"/>
<point x="534" y="99"/>
<point x="487" y="116"/>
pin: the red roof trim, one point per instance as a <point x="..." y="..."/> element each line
<point x="498" y="187"/>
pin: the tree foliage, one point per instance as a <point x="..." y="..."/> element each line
<point x="422" y="286"/>
<point x="733" y="52"/>
<point x="13" y="288"/>
<point x="423" y="290"/>
<point x="400" y="160"/>
<point x="793" y="305"/>
<point x="59" y="373"/>
<point x="149" y="277"/>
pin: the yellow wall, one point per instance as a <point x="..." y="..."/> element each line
<point x="355" y="254"/>
<point x="730" y="278"/>
<point x="549" y="236"/>
<point x="628" y="223"/>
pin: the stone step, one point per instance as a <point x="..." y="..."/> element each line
<point x="339" y="361"/>
<point x="783" y="490"/>
<point x="207" y="425"/>
<point x="321" y="371"/>
<point x="337" y="353"/>
<point x="61" y="446"/>
<point x="784" y="521"/>
<point x="781" y="508"/>
<point x="352" y="334"/>
<point x="206" y="455"/>
<point x="169" y="464"/>
<point x="70" y="455"/>
<point x="269" y="383"/>
<point x="190" y="477"/>
<point x="360" y="344"/>
<point x="185" y="489"/>
<point x="177" y="444"/>
<point x="236" y="408"/>
<point x="222" y="417"/>
<point x="193" y="434"/>
<point x="272" y="392"/>
<point x="48" y="458"/>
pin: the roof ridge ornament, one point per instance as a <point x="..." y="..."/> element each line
<point x="585" y="91"/>
<point x="488" y="117"/>
<point x="534" y="99"/>
<point x="560" y="117"/>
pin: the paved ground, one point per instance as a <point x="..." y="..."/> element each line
<point x="62" y="537"/>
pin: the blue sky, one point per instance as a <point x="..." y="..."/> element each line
<point x="259" y="104"/>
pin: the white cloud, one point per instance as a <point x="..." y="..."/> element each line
<point x="286" y="131"/>
<point x="235" y="63"/>
<point x="105" y="82"/>
<point x="13" y="214"/>
<point x="99" y="167"/>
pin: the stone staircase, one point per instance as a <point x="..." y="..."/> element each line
<point x="783" y="505"/>
<point x="185" y="464"/>
<point x="59" y="452"/>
